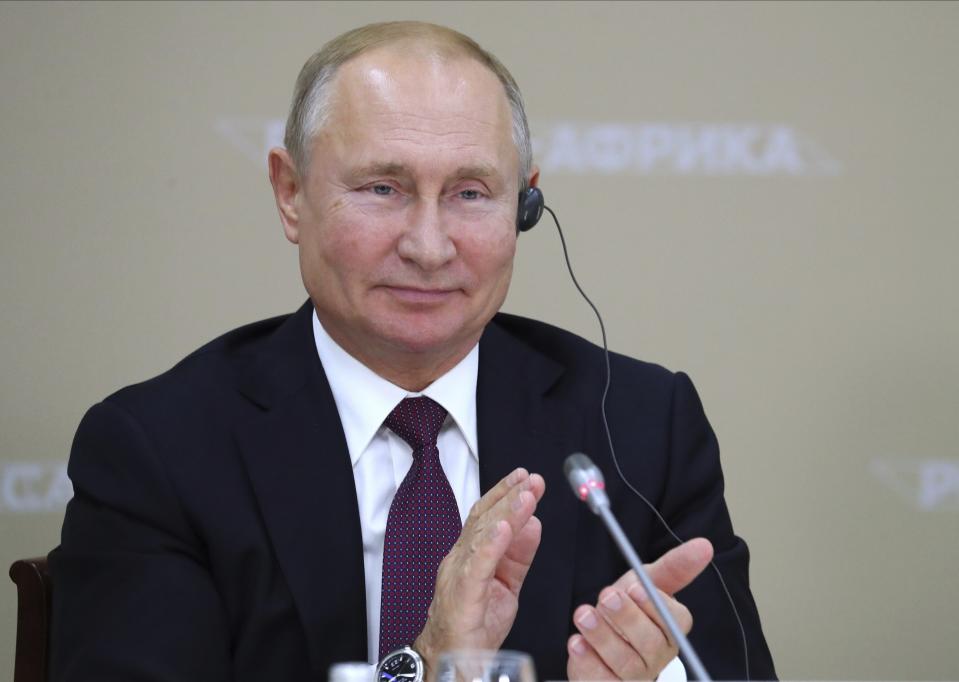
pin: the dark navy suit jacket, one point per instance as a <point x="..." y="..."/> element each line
<point x="214" y="532"/>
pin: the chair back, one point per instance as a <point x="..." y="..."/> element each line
<point x="34" y="589"/>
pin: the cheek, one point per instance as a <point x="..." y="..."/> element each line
<point x="492" y="258"/>
<point x="501" y="246"/>
<point x="348" y="249"/>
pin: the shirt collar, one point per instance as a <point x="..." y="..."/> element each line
<point x="364" y="399"/>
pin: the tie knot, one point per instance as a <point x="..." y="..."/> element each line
<point x="417" y="421"/>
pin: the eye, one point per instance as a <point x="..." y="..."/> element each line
<point x="382" y="190"/>
<point x="470" y="194"/>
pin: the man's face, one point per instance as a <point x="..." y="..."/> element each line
<point x="407" y="213"/>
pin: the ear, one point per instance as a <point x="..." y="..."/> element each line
<point x="287" y="188"/>
<point x="533" y="180"/>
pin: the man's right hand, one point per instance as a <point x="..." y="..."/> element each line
<point x="478" y="583"/>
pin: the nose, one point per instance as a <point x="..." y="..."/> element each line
<point x="425" y="241"/>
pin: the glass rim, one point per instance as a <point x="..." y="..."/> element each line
<point x="505" y="653"/>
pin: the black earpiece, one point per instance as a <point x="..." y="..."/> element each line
<point x="530" y="208"/>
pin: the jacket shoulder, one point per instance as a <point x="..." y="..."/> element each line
<point x="584" y="360"/>
<point x="214" y="367"/>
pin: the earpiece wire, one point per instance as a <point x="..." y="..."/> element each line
<point x="612" y="450"/>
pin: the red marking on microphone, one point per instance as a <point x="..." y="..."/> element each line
<point x="584" y="489"/>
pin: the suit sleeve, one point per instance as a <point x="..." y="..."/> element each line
<point x="694" y="505"/>
<point x="133" y="598"/>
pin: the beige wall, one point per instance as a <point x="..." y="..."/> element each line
<point x="763" y="195"/>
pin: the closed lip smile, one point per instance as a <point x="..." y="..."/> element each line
<point x="419" y="294"/>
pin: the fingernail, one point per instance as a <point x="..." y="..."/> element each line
<point x="576" y="644"/>
<point x="637" y="592"/>
<point x="494" y="531"/>
<point x="587" y="621"/>
<point x="612" y="601"/>
<point x="516" y="476"/>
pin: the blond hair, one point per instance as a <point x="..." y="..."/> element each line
<point x="311" y="94"/>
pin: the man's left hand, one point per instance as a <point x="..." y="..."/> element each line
<point x="623" y="637"/>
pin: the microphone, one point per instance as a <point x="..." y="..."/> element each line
<point x="588" y="485"/>
<point x="587" y="481"/>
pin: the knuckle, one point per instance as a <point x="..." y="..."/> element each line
<point x="590" y="668"/>
<point x="629" y="667"/>
<point x="468" y="567"/>
<point x="618" y="656"/>
<point x="576" y="669"/>
<point x="663" y="659"/>
<point x="651" y="643"/>
<point x="475" y="545"/>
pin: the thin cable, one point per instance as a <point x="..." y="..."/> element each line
<point x="612" y="450"/>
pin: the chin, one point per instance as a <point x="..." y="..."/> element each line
<point x="426" y="338"/>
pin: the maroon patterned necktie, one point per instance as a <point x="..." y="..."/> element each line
<point x="423" y="524"/>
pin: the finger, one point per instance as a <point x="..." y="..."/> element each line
<point x="584" y="663"/>
<point x="616" y="653"/>
<point x="479" y="560"/>
<point x="625" y="581"/>
<point x="526" y="541"/>
<point x="675" y="569"/>
<point x="516" y="506"/>
<point x="486" y="537"/>
<point x="497" y="492"/>
<point x="644" y="634"/>
<point x="505" y="501"/>
<point x="514" y="566"/>
<point x="679" y="566"/>
<point x="537" y="486"/>
<point x="679" y="612"/>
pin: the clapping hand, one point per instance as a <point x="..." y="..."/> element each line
<point x="622" y="636"/>
<point x="478" y="583"/>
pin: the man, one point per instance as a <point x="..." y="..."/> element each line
<point x="274" y="502"/>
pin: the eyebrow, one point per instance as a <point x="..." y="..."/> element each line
<point x="479" y="171"/>
<point x="399" y="169"/>
<point x="380" y="169"/>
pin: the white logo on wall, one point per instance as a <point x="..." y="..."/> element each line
<point x="253" y="137"/>
<point x="927" y="484"/>
<point x="679" y="149"/>
<point x="34" y="487"/>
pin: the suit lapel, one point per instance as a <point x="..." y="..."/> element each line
<point x="298" y="461"/>
<point x="521" y="422"/>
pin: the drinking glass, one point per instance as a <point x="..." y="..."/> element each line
<point x="486" y="666"/>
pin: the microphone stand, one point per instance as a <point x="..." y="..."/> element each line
<point x="632" y="558"/>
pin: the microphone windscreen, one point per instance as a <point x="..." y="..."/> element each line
<point x="577" y="462"/>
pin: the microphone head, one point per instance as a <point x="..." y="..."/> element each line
<point x="586" y="480"/>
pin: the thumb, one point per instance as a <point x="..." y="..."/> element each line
<point x="679" y="566"/>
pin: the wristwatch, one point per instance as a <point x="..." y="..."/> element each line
<point x="402" y="665"/>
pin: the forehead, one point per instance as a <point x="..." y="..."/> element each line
<point x="416" y="101"/>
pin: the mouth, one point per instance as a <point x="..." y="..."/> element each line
<point x="420" y="296"/>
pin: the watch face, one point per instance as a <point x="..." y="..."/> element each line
<point x="399" y="667"/>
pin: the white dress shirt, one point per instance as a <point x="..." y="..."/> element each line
<point x="381" y="459"/>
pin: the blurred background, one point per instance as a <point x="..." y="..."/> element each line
<point x="761" y="195"/>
